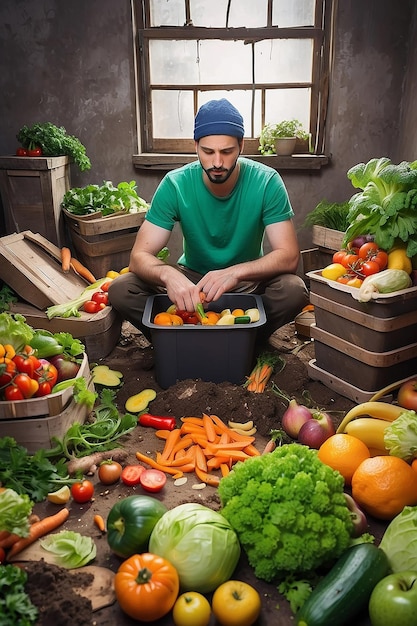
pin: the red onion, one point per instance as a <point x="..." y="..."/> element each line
<point x="360" y="523"/>
<point x="294" y="417"/>
<point x="315" y="432"/>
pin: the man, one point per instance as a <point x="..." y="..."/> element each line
<point x="225" y="205"/>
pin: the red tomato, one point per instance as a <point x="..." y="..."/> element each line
<point x="100" y="297"/>
<point x="26" y="364"/>
<point x="26" y="385"/>
<point x="152" y="480"/>
<point x="35" y="152"/>
<point x="105" y="286"/>
<point x="368" y="250"/>
<point x="2" y="555"/>
<point x="21" y="152"/>
<point x="83" y="491"/>
<point x="44" y="389"/>
<point x="91" y="307"/>
<point x="339" y="256"/>
<point x="369" y="267"/>
<point x="350" y="260"/>
<point x="381" y="258"/>
<point x="131" y="474"/>
<point x="46" y="373"/>
<point x="12" y="393"/>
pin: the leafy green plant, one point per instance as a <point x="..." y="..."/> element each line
<point x="15" y="604"/>
<point x="106" y="199"/>
<point x="271" y="132"/>
<point x="54" y="141"/>
<point x="332" y="215"/>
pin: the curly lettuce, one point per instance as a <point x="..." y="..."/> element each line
<point x="400" y="437"/>
<point x="15" y="510"/>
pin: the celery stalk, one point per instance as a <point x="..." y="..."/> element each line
<point x="70" y="309"/>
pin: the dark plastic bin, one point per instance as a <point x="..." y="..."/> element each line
<point x="210" y="353"/>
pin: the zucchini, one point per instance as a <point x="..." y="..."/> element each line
<point x="346" y="588"/>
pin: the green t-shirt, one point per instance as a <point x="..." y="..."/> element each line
<point x="219" y="232"/>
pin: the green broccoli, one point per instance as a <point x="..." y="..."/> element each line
<point x="288" y="510"/>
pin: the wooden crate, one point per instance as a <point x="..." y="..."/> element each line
<point x="327" y="238"/>
<point x="32" y="189"/>
<point x="104" y="243"/>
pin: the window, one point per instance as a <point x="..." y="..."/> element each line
<point x="270" y="58"/>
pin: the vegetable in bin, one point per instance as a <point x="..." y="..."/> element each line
<point x="225" y="205"/>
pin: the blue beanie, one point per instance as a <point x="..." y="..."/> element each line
<point x="218" y="117"/>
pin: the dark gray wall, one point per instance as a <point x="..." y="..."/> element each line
<point x="72" y="64"/>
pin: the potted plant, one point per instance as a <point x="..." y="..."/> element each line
<point x="281" y="138"/>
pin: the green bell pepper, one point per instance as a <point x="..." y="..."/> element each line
<point x="45" y="344"/>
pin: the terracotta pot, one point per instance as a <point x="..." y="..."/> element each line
<point x="285" y="145"/>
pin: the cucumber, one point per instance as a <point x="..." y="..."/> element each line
<point x="346" y="589"/>
<point x="243" y="319"/>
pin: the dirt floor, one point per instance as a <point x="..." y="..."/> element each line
<point x="52" y="589"/>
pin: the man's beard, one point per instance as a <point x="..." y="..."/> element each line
<point x="218" y="180"/>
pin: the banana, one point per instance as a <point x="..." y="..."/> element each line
<point x="247" y="433"/>
<point x="241" y="426"/>
<point x="369" y="430"/>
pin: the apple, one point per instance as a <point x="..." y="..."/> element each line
<point x="235" y="603"/>
<point x="393" y="601"/>
<point x="407" y="395"/>
<point x="315" y="431"/>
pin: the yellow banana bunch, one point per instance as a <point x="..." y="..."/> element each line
<point x="367" y="421"/>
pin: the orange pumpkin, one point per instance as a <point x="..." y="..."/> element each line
<point x="146" y="586"/>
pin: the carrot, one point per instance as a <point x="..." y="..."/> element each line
<point x="206" y="478"/>
<point x="251" y="450"/>
<point x="173" y="462"/>
<point x="200" y="459"/>
<point x="216" y="462"/>
<point x="162" y="434"/>
<point x="224" y="469"/>
<point x="38" y="530"/>
<point x="7" y="541"/>
<point x="209" y="427"/>
<point x="261" y="373"/>
<point x="155" y="465"/>
<point x="82" y="271"/>
<point x="171" y="441"/>
<point x="100" y="523"/>
<point x="65" y="260"/>
<point x="235" y="455"/>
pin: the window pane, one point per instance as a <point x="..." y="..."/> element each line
<point x="284" y="61"/>
<point x="293" y="13"/>
<point x="168" y="13"/>
<point x="287" y="104"/>
<point x="172" y="114"/>
<point x="241" y="13"/>
<point x="203" y="62"/>
<point x="242" y="100"/>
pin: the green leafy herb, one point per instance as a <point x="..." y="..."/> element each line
<point x="295" y="591"/>
<point x="54" y="141"/>
<point x="33" y="475"/>
<point x="386" y="206"/>
<point x="73" y="347"/>
<point x="106" y="199"/>
<point x="330" y="215"/>
<point x="98" y="435"/>
<point x="15" y="604"/>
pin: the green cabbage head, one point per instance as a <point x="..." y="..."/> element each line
<point x="199" y="543"/>
<point x="399" y="541"/>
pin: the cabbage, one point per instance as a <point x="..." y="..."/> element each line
<point x="199" y="543"/>
<point x="399" y="542"/>
<point x="400" y="437"/>
<point x="14" y="512"/>
<point x="70" y="549"/>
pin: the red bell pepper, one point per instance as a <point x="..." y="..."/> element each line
<point x="160" y="422"/>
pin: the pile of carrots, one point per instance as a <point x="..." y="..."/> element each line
<point x="261" y="373"/>
<point x="201" y="445"/>
<point x="14" y="544"/>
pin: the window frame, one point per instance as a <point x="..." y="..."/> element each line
<point x="162" y="148"/>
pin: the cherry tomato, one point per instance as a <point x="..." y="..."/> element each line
<point x="109" y="472"/>
<point x="152" y="480"/>
<point x="339" y="256"/>
<point x="349" y="260"/>
<point x="105" y="286"/>
<point x="2" y="555"/>
<point x="100" y="297"/>
<point x="35" y="152"/>
<point x="46" y="373"/>
<point x="91" y="307"/>
<point x="21" y="152"/>
<point x="44" y="389"/>
<point x="13" y="393"/>
<point x="381" y="258"/>
<point x="131" y="474"/>
<point x="368" y="250"/>
<point x="7" y="371"/>
<point x="83" y="491"/>
<point x="369" y="267"/>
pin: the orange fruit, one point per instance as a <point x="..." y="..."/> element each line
<point x="384" y="485"/>
<point x="343" y="453"/>
<point x="163" y="319"/>
<point x="238" y="312"/>
<point x="414" y="465"/>
<point x="213" y="316"/>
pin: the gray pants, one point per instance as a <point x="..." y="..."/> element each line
<point x="283" y="297"/>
